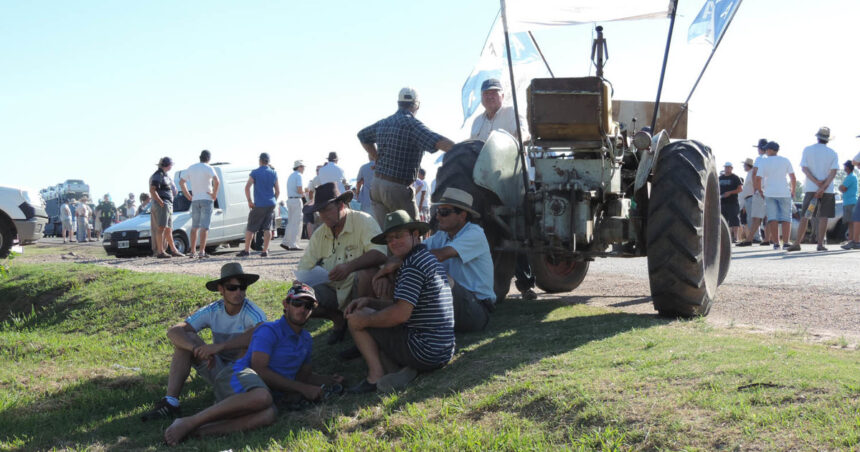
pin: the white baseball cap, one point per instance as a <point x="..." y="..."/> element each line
<point x="407" y="94"/>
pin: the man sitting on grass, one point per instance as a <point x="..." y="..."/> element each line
<point x="232" y="320"/>
<point x="278" y="360"/>
<point x="415" y="331"/>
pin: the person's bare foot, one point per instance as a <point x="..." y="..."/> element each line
<point x="177" y="431"/>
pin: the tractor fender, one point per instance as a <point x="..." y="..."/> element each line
<point x="500" y="170"/>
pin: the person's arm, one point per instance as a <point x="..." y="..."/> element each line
<point x="826" y="183"/>
<point x="395" y="314"/>
<point x="184" y="187"/>
<point x="843" y="188"/>
<point x="248" y="191"/>
<point x="307" y="375"/>
<point x="810" y="177"/>
<point x="277" y="190"/>
<point x="757" y="184"/>
<point x="444" y="253"/>
<point x="177" y="334"/>
<point x="275" y="381"/>
<point x="358" y="184"/>
<point x="793" y="183"/>
<point x="371" y="258"/>
<point x="241" y="342"/>
<point x="739" y="188"/>
<point x="153" y="194"/>
<point x="215" y="184"/>
<point x="444" y="144"/>
<point x="371" y="150"/>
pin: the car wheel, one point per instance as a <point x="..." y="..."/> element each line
<point x="181" y="242"/>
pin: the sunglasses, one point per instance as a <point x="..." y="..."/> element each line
<point x="234" y="287"/>
<point x="444" y="212"/>
<point x="302" y="303"/>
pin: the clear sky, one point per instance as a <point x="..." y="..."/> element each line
<point x="100" y="90"/>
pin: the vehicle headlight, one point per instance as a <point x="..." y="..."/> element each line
<point x="144" y="234"/>
<point x="106" y="236"/>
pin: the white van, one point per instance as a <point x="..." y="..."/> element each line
<point x="229" y="218"/>
<point x="22" y="215"/>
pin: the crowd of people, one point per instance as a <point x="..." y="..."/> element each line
<point x="766" y="196"/>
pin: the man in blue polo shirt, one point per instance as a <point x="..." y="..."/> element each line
<point x="262" y="216"/>
<point x="278" y="360"/>
<point x="414" y="331"/>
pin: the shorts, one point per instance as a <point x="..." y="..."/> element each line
<point x="162" y="216"/>
<point x="308" y="218"/>
<point x="229" y="383"/>
<point x="201" y="213"/>
<point x="847" y="213"/>
<point x="855" y="216"/>
<point x="67" y="224"/>
<point x="778" y="209"/>
<point x="209" y="375"/>
<point x="394" y="342"/>
<point x="826" y="207"/>
<point x="261" y="219"/>
<point x="756" y="208"/>
<point x="731" y="212"/>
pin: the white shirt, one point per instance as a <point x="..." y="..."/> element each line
<point x="820" y="159"/>
<point x="294" y="185"/>
<point x="420" y="187"/>
<point x="503" y="119"/>
<point x="747" y="187"/>
<point x="330" y="172"/>
<point x="774" y="172"/>
<point x="199" y="177"/>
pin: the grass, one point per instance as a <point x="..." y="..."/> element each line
<point x="83" y="354"/>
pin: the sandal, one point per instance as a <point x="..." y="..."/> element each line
<point x="363" y="387"/>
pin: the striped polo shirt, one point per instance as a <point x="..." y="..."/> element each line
<point x="225" y="326"/>
<point x="430" y="329"/>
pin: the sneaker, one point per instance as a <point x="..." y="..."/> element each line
<point x="243" y="253"/>
<point x="776" y="246"/>
<point x="396" y="381"/>
<point x="163" y="256"/>
<point x="821" y="248"/>
<point x="744" y="244"/>
<point x="264" y="254"/>
<point x="795" y="247"/>
<point x="850" y="245"/>
<point x="786" y="246"/>
<point x="529" y="294"/>
<point x="764" y="244"/>
<point x="162" y="410"/>
<point x="192" y="255"/>
<point x="284" y="246"/>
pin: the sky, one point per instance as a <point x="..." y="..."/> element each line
<point x="101" y="90"/>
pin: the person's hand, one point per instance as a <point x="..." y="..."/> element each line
<point x="358" y="319"/>
<point x="383" y="288"/>
<point x="356" y="304"/>
<point x="250" y="204"/>
<point x="161" y="203"/>
<point x="207" y="351"/>
<point x="820" y="192"/>
<point x="339" y="272"/>
<point x="311" y="392"/>
<point x="212" y="195"/>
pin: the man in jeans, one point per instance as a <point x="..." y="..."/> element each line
<point x="770" y="180"/>
<point x="204" y="189"/>
<point x="264" y="179"/>
<point x="819" y="164"/>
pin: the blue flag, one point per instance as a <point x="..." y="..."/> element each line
<point x="712" y="21"/>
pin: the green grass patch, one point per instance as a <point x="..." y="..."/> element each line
<point x="84" y="353"/>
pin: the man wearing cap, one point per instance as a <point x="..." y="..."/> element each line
<point x="758" y="208"/>
<point x="363" y="182"/>
<point x="854" y="243"/>
<point x="162" y="190"/>
<point x="231" y="319"/>
<point x="730" y="186"/>
<point x="277" y="364"/>
<point x="397" y="143"/>
<point x="264" y="179"/>
<point x="295" y="192"/>
<point x="414" y="331"/>
<point x="820" y="164"/>
<point x="496" y="116"/>
<point x="331" y="172"/>
<point x="771" y="180"/>
<point x="746" y="195"/>
<point x="202" y="193"/>
<point x="341" y="250"/>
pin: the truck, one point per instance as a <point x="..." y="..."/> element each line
<point x="229" y="218"/>
<point x="54" y="197"/>
<point x="22" y="218"/>
<point x="600" y="189"/>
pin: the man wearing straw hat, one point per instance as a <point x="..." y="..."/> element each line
<point x="232" y="320"/>
<point x="340" y="260"/>
<point x="414" y="331"/>
<point x="295" y="191"/>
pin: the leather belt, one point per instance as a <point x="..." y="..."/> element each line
<point x="392" y="179"/>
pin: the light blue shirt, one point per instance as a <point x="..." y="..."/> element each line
<point x="850" y="195"/>
<point x="473" y="267"/>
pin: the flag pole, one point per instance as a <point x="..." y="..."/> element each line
<point x="520" y="149"/>
<point x="686" y="103"/>
<point x="663" y="71"/>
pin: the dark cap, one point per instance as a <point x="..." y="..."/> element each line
<point x="165" y="162"/>
<point x="761" y="143"/>
<point x="264" y="157"/>
<point x="849" y="164"/>
<point x="301" y="290"/>
<point x="771" y="146"/>
<point x="491" y="83"/>
<point x="332" y="156"/>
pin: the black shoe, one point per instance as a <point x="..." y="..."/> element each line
<point x="349" y="354"/>
<point x="744" y="244"/>
<point x="162" y="410"/>
<point x="764" y="244"/>
<point x="362" y="388"/>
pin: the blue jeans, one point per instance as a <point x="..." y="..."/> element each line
<point x="778" y="209"/>
<point x="201" y="213"/>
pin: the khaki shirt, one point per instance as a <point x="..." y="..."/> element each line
<point x="352" y="242"/>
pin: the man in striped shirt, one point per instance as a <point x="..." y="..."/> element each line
<point x="414" y="331"/>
